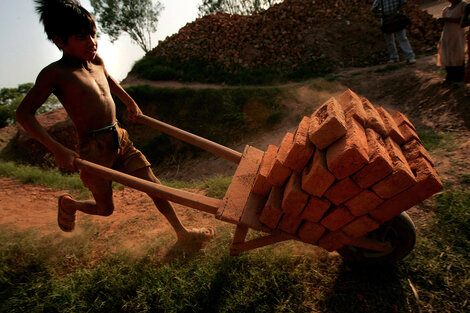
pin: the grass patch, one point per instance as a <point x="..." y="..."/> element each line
<point x="32" y="280"/>
<point x="52" y="178"/>
<point x="438" y="140"/>
<point x="197" y="70"/>
<point x="439" y="265"/>
<point x="215" y="186"/>
<point x="464" y="179"/>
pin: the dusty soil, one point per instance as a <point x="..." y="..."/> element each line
<point x="416" y="90"/>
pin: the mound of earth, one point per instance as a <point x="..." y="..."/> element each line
<point x="294" y="34"/>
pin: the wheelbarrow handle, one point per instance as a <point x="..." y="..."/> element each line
<point x="190" y="138"/>
<point x="196" y="201"/>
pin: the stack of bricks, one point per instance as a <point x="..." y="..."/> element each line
<point x="347" y="168"/>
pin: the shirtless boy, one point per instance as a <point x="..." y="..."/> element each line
<point x="83" y="86"/>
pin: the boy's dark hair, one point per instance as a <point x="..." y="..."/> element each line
<point x="64" y="18"/>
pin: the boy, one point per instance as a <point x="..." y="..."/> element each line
<point x="82" y="84"/>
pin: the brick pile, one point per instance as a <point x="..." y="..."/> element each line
<point x="294" y="34"/>
<point x="347" y="168"/>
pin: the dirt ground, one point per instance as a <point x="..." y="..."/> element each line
<point x="416" y="90"/>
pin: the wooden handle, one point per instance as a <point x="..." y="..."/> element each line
<point x="189" y="199"/>
<point x="195" y="140"/>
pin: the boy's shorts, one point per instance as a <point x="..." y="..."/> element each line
<point x="111" y="148"/>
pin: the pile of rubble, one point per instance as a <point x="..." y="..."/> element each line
<point x="294" y="34"/>
<point x="347" y="168"/>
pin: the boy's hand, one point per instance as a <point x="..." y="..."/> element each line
<point x="134" y="112"/>
<point x="65" y="158"/>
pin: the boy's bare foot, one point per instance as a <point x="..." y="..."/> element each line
<point x="196" y="235"/>
<point x="66" y="220"/>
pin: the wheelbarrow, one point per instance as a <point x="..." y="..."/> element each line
<point x="392" y="241"/>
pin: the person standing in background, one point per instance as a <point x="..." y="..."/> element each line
<point x="451" y="47"/>
<point x="388" y="8"/>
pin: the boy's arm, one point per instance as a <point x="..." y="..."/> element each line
<point x="36" y="97"/>
<point x="115" y="87"/>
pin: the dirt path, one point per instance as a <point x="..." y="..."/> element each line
<point x="134" y="224"/>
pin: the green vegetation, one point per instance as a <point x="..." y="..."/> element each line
<point x="51" y="279"/>
<point x="439" y="264"/>
<point x="50" y="178"/>
<point x="242" y="7"/>
<point x="433" y="140"/>
<point x="222" y="115"/>
<point x="198" y="70"/>
<point x="136" y="18"/>
<point x="53" y="178"/>
<point x="215" y="186"/>
<point x="10" y="99"/>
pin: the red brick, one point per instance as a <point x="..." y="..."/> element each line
<point x="271" y="214"/>
<point x="428" y="184"/>
<point x="408" y="133"/>
<point x="342" y="191"/>
<point x="294" y="199"/>
<point x="261" y="185"/>
<point x="315" y="209"/>
<point x="334" y="240"/>
<point x="285" y="147"/>
<point x="239" y="191"/>
<point x="289" y="223"/>
<point x="337" y="218"/>
<point x="374" y="120"/>
<point x="401" y="177"/>
<point x="394" y="150"/>
<point x="277" y="173"/>
<point x="301" y="149"/>
<point x="401" y="119"/>
<point x="363" y="203"/>
<point x="414" y="150"/>
<point x="327" y="124"/>
<point x="380" y="163"/>
<point x="360" y="226"/>
<point x="392" y="128"/>
<point x="352" y="106"/>
<point x="310" y="232"/>
<point x="316" y="178"/>
<point x="350" y="153"/>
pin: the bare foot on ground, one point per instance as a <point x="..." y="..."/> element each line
<point x="197" y="235"/>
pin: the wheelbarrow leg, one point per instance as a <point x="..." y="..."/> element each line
<point x="239" y="244"/>
<point x="238" y="238"/>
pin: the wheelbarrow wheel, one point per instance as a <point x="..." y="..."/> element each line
<point x="399" y="233"/>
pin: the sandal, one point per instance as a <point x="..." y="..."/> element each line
<point x="65" y="220"/>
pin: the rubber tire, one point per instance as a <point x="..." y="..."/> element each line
<point x="401" y="235"/>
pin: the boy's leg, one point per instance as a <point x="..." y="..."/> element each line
<point x="103" y="198"/>
<point x="183" y="234"/>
